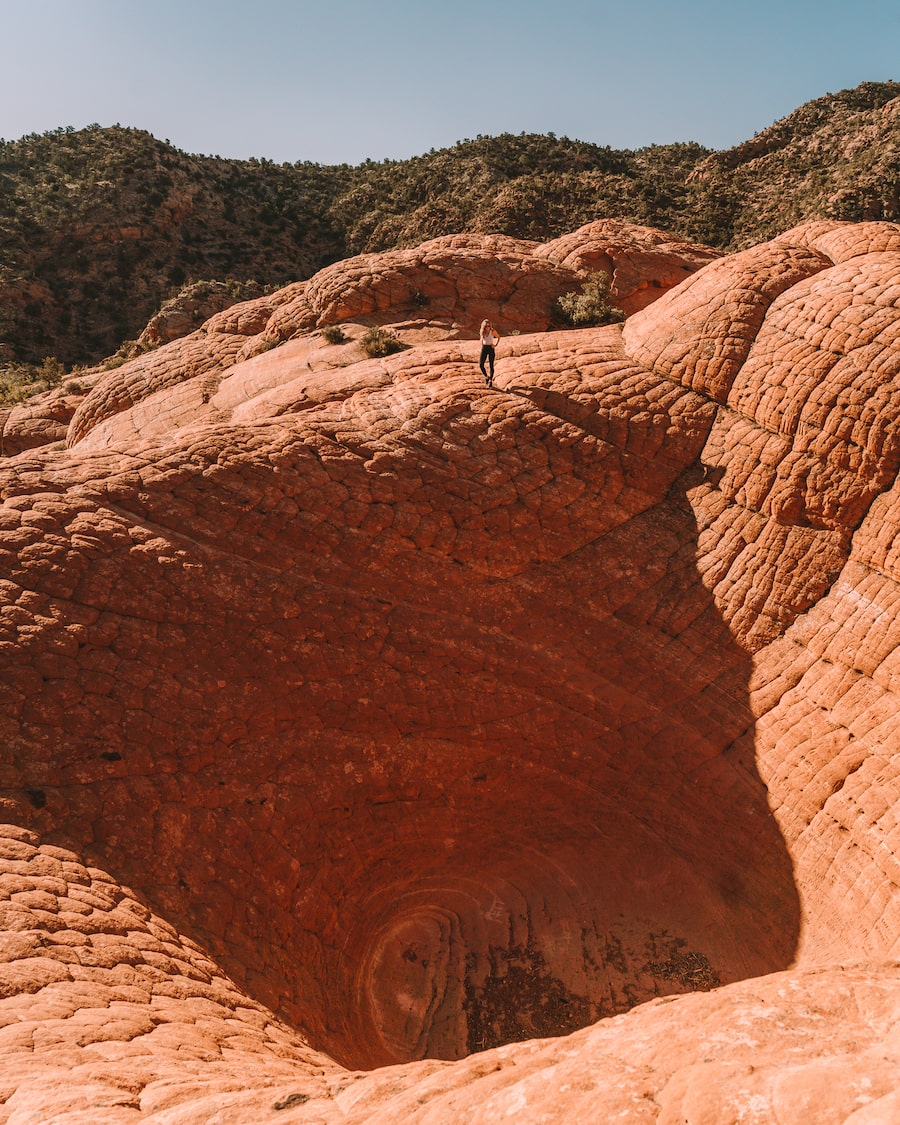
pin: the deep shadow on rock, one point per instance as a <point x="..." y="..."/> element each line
<point x="412" y="709"/>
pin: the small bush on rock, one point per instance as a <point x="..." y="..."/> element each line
<point x="332" y="334"/>
<point x="379" y="342"/>
<point x="592" y="306"/>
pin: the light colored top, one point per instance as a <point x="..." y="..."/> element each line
<point x="489" y="338"/>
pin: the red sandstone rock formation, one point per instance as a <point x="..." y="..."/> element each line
<point x="439" y="290"/>
<point x="424" y="719"/>
<point x="642" y="262"/>
<point x="193" y="306"/>
<point x="41" y="420"/>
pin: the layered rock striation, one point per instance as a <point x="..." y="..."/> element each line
<point x="356" y="711"/>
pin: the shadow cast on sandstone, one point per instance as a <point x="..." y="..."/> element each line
<point x="410" y="706"/>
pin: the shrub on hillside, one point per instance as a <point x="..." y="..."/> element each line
<point x="379" y="342"/>
<point x="19" y="381"/>
<point x="592" y="306"/>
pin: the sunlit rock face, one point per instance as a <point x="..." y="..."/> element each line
<point x="429" y="717"/>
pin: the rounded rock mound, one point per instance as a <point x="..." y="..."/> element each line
<point x="423" y="719"/>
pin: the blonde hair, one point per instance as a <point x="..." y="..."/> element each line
<point x="484" y="325"/>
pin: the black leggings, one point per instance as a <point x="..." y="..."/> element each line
<point x="487" y="353"/>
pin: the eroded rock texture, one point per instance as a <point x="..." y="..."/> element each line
<point x="439" y="290"/>
<point x="423" y="718"/>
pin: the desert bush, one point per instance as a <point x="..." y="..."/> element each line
<point x="19" y="381"/>
<point x="128" y="349"/>
<point x="332" y="334"/>
<point x="592" y="306"/>
<point x="379" y="342"/>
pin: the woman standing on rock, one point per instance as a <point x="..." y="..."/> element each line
<point x="489" y="342"/>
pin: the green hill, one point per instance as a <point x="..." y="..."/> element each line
<point x="99" y="226"/>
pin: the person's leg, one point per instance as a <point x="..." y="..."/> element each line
<point x="485" y="351"/>
<point x="491" y="365"/>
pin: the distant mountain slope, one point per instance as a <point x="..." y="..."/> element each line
<point x="837" y="157"/>
<point x="99" y="226"/>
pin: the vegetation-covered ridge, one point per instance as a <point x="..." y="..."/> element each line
<point x="99" y="226"/>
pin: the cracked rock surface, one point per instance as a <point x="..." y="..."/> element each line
<point x="382" y="746"/>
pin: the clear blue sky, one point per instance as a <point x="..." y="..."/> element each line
<point x="342" y="80"/>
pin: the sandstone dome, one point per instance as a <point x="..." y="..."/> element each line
<point x="381" y="746"/>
